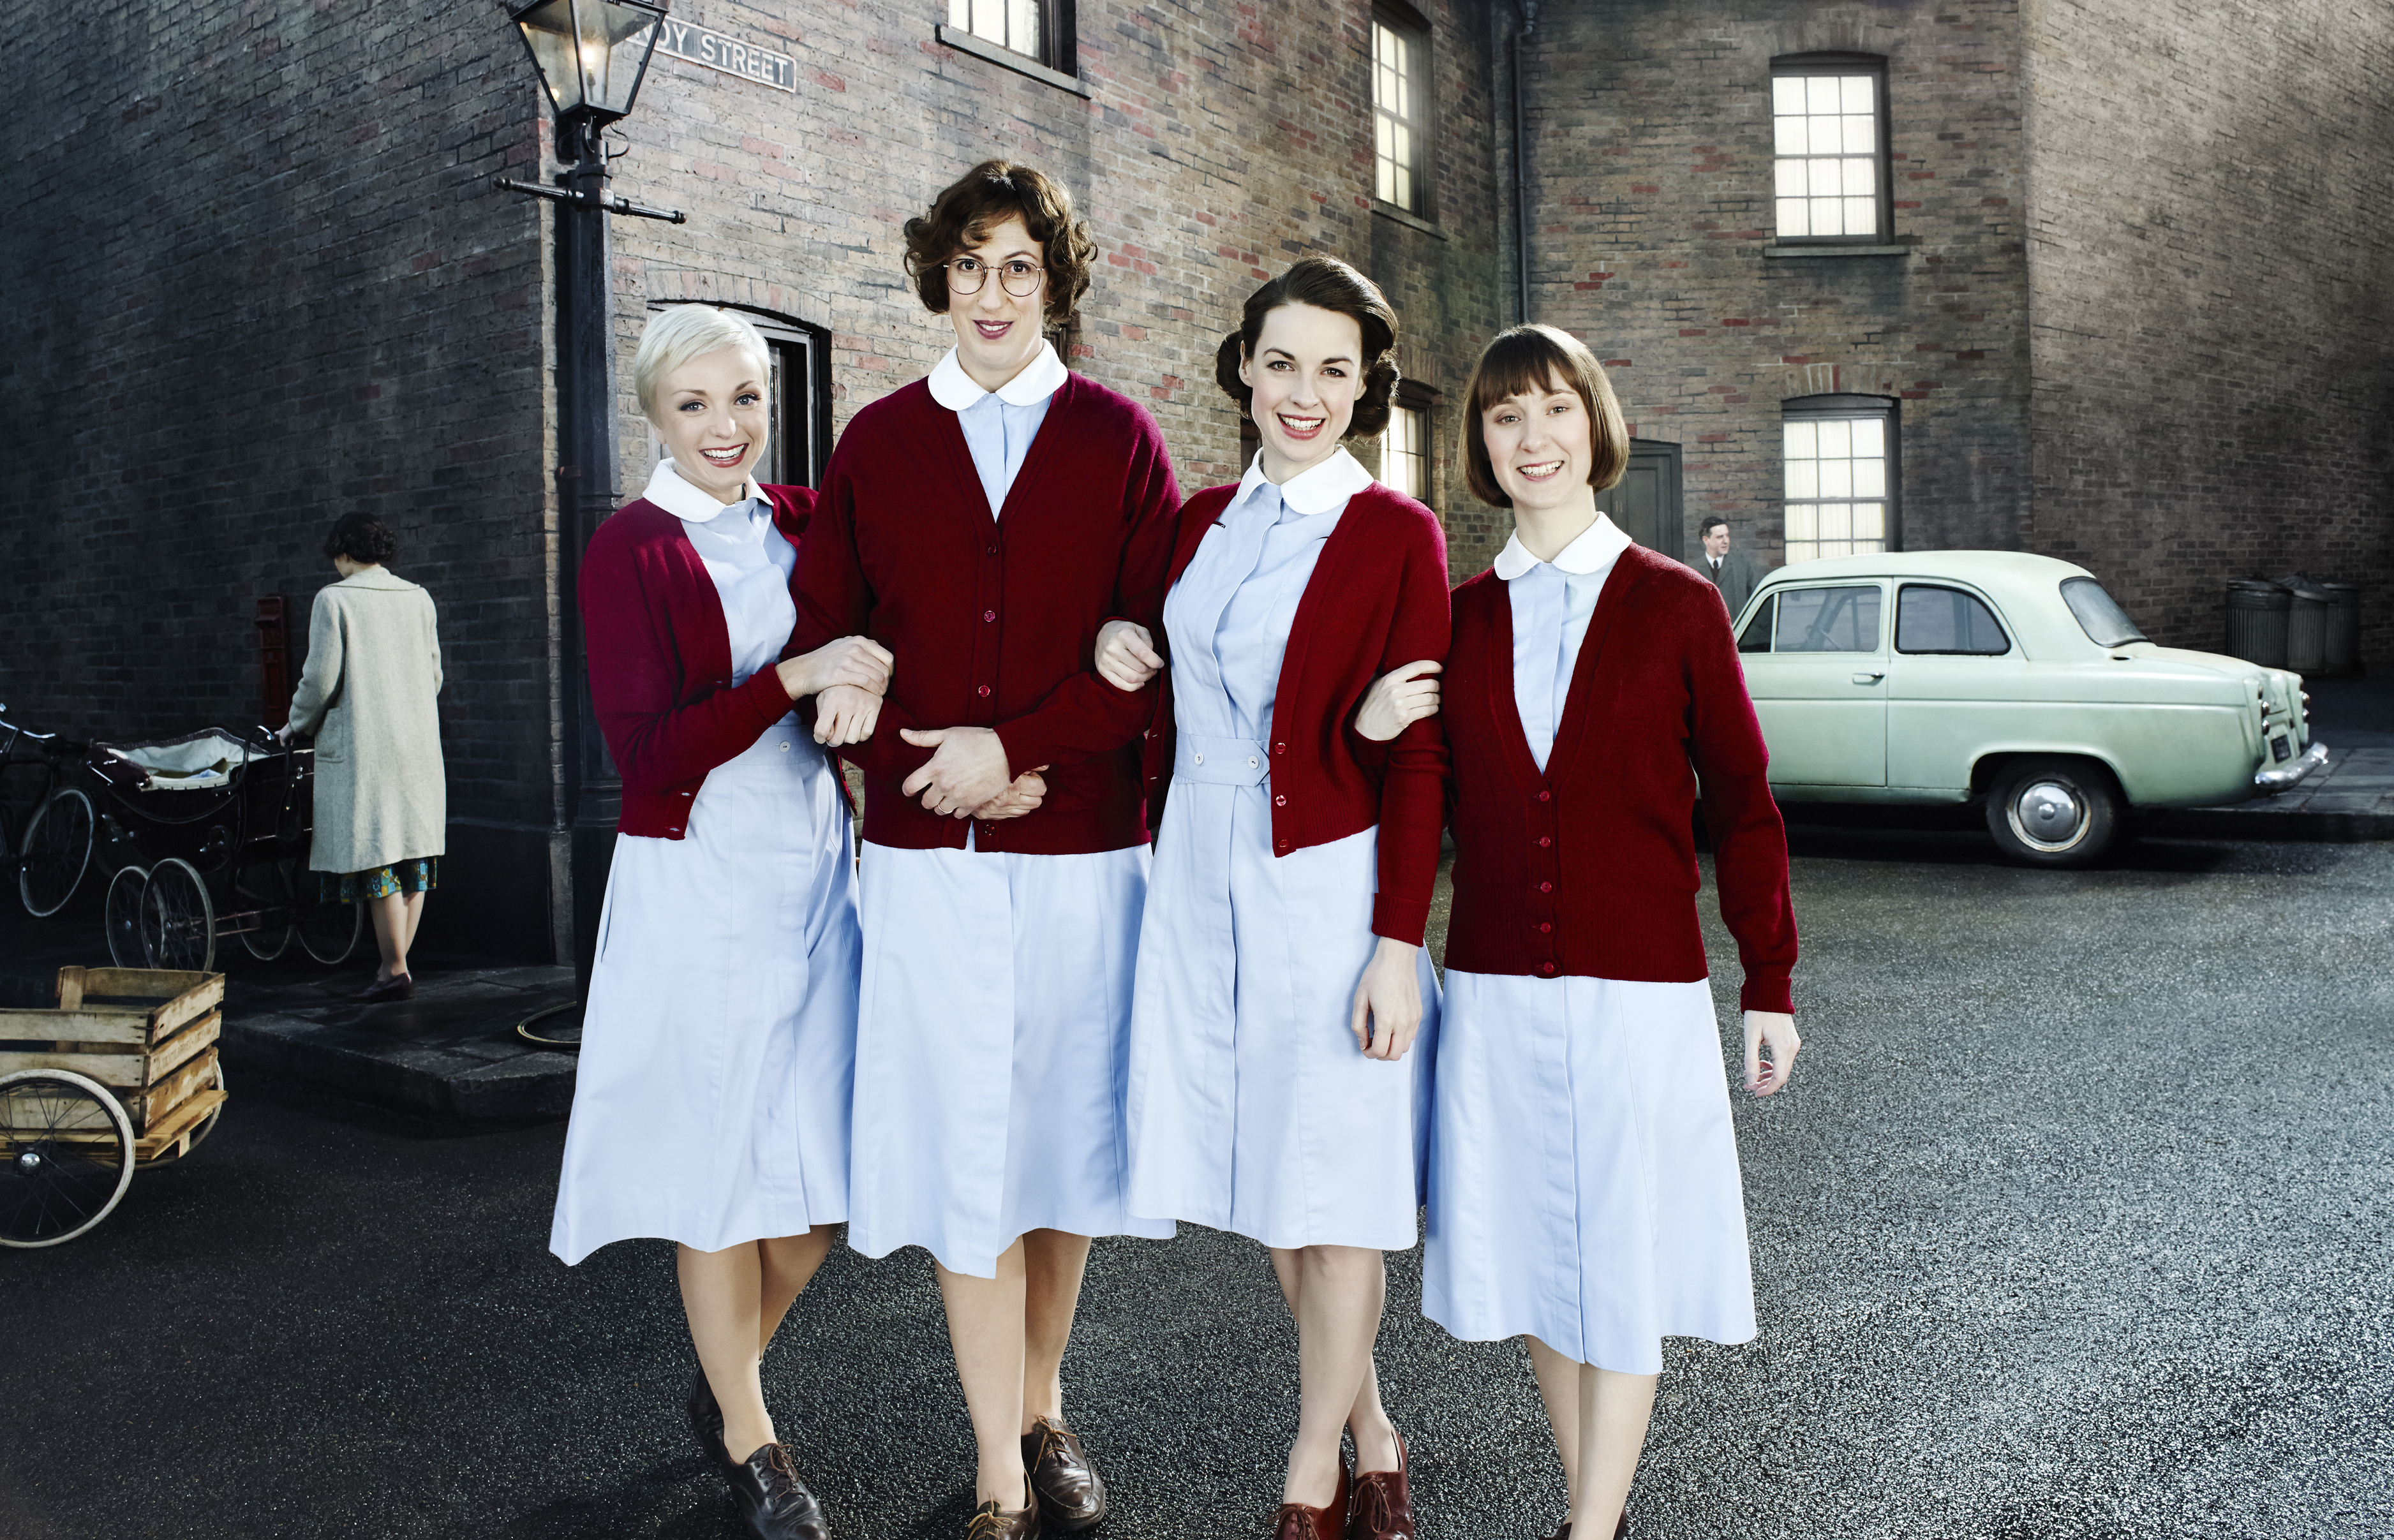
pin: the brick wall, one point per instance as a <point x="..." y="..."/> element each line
<point x="2207" y="254"/>
<point x="1650" y="170"/>
<point x="1218" y="144"/>
<point x="255" y="284"/>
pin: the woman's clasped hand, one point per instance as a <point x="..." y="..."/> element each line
<point x="847" y="678"/>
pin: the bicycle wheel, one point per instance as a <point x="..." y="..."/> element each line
<point x="265" y="886"/>
<point x="56" y="849"/>
<point x="329" y="932"/>
<point x="178" y="920"/>
<point x="123" y="917"/>
<point x="66" y="1156"/>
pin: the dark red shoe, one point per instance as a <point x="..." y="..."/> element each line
<point x="399" y="986"/>
<point x="1297" y="1521"/>
<point x="1383" y="1503"/>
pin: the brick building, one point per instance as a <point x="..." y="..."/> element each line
<point x="2116" y="300"/>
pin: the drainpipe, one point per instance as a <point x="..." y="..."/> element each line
<point x="1522" y="167"/>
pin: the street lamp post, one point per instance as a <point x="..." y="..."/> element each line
<point x="592" y="56"/>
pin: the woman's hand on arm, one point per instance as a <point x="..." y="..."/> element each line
<point x="858" y="662"/>
<point x="1388" y="1002"/>
<point x="845" y="714"/>
<point x="1397" y="699"/>
<point x="1126" y="655"/>
<point x="1777" y="1031"/>
<point x="1024" y="794"/>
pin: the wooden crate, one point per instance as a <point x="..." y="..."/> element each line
<point x="147" y="1035"/>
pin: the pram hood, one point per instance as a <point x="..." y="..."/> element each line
<point x="196" y="761"/>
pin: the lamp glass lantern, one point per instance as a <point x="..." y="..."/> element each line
<point x="591" y="54"/>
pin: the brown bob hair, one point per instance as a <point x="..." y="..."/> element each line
<point x="1528" y="359"/>
<point x="1326" y="284"/>
<point x="963" y="214"/>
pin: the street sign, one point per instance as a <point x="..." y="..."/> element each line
<point x="715" y="51"/>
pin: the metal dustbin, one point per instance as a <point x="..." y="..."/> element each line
<point x="2257" y="613"/>
<point x="2343" y="627"/>
<point x="2306" y="624"/>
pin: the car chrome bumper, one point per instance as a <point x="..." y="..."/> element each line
<point x="2266" y="783"/>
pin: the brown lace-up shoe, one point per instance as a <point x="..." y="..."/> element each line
<point x="776" y="1503"/>
<point x="1383" y="1503"/>
<point x="1072" y="1494"/>
<point x="1297" y="1521"/>
<point x="1562" y="1531"/>
<point x="991" y="1523"/>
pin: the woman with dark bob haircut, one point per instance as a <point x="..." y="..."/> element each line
<point x="1284" y="1008"/>
<point x="1584" y="1186"/>
<point x="368" y="697"/>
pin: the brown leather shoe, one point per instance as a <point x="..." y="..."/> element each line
<point x="1562" y="1531"/>
<point x="1383" y="1503"/>
<point x="1296" y="1521"/>
<point x="989" y="1523"/>
<point x="1072" y="1494"/>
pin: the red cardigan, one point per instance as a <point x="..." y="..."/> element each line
<point x="994" y="621"/>
<point x="1377" y="598"/>
<point x="661" y="660"/>
<point x="1590" y="868"/>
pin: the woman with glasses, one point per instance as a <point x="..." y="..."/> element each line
<point x="983" y="523"/>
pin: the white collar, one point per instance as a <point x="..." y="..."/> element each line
<point x="668" y="490"/>
<point x="1041" y="378"/>
<point x="1597" y="548"/>
<point x="1318" y="489"/>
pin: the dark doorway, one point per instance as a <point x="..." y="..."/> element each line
<point x="1646" y="502"/>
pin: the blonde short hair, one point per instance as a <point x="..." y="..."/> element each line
<point x="687" y="332"/>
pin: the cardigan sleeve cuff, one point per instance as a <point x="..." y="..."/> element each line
<point x="1767" y="991"/>
<point x="1026" y="747"/>
<point x="766" y="697"/>
<point x="1400" y="916"/>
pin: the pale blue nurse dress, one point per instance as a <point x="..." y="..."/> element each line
<point x="1584" y="1184"/>
<point x="1252" y="1108"/>
<point x="711" y="1099"/>
<point x="996" y="995"/>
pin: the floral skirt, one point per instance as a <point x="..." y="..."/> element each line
<point x="381" y="882"/>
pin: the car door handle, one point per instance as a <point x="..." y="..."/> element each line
<point x="1871" y="678"/>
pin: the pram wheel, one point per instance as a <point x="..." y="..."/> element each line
<point x="265" y="887"/>
<point x="56" y="849"/>
<point x="178" y="919"/>
<point x="122" y="920"/>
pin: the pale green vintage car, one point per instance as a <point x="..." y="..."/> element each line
<point x="1954" y="677"/>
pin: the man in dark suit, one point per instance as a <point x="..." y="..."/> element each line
<point x="1732" y="571"/>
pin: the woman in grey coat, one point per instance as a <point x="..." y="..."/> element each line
<point x="382" y="803"/>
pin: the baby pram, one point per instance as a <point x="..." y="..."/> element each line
<point x="208" y="834"/>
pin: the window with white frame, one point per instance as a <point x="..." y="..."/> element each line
<point x="1400" y="112"/>
<point x="1840" y="476"/>
<point x="1828" y="139"/>
<point x="1404" y="452"/>
<point x="1020" y="25"/>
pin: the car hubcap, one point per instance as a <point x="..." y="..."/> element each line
<point x="2049" y="815"/>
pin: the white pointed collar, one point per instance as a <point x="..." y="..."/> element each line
<point x="668" y="490"/>
<point x="1597" y="548"/>
<point x="1041" y="378"/>
<point x="1318" y="488"/>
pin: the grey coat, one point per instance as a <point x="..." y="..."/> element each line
<point x="373" y="672"/>
<point x="1736" y="580"/>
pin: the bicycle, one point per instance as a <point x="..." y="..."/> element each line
<point x="53" y="851"/>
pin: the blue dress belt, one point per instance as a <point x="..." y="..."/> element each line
<point x="1219" y="761"/>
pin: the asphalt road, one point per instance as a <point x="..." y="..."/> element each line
<point x="2073" y="1222"/>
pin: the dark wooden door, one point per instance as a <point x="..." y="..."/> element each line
<point x="1646" y="501"/>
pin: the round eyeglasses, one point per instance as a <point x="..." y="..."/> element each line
<point x="1017" y="275"/>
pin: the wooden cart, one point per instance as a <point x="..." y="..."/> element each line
<point x="122" y="1072"/>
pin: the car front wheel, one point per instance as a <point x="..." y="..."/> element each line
<point x="2053" y="813"/>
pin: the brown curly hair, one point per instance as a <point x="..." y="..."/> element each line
<point x="363" y="538"/>
<point x="961" y="217"/>
<point x="1326" y="284"/>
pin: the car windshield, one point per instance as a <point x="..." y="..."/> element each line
<point x="2098" y="613"/>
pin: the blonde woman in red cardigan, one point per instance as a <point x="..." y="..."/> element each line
<point x="1584" y="1188"/>
<point x="711" y="1105"/>
<point x="1284" y="1008"/>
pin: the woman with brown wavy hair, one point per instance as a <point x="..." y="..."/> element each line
<point x="1284" y="1010"/>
